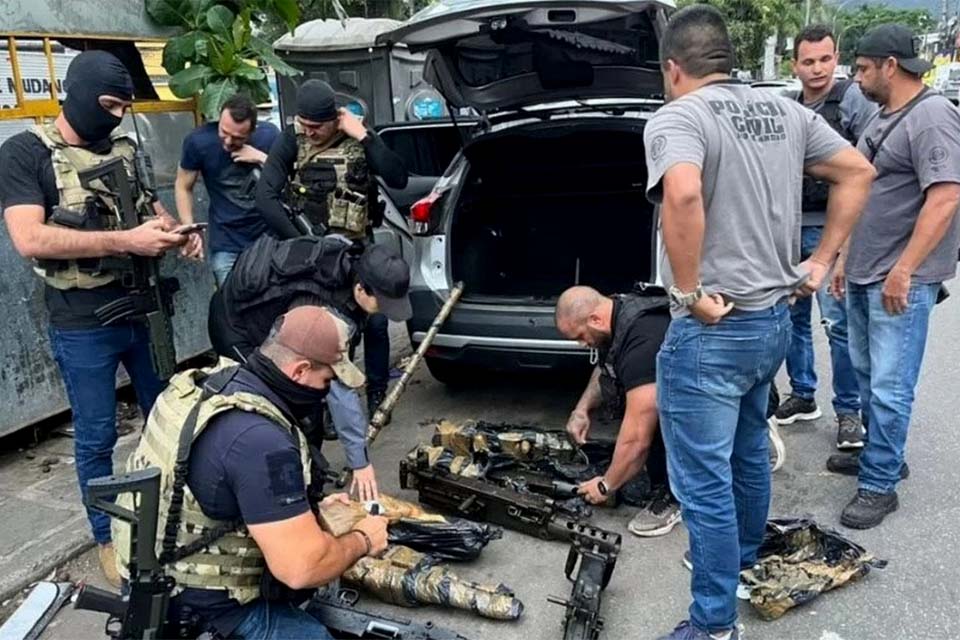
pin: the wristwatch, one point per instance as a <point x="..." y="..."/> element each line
<point x="681" y="299"/>
<point x="602" y="487"/>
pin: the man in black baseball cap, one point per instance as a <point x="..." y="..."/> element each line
<point x="903" y="247"/>
<point x="893" y="41"/>
<point x="387" y="277"/>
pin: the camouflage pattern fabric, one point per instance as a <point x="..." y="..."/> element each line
<point x="408" y="578"/>
<point x="799" y="560"/>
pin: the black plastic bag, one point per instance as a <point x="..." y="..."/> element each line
<point x="455" y="539"/>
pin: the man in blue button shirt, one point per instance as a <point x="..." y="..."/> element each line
<point x="228" y="154"/>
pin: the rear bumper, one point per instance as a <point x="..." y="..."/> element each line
<point x="499" y="337"/>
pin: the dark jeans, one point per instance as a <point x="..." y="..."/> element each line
<point x="376" y="352"/>
<point x="88" y="361"/>
<point x="713" y="385"/>
<point x="887" y="352"/>
<point x="279" y="621"/>
<point x="833" y="313"/>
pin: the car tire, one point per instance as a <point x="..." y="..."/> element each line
<point x="450" y="373"/>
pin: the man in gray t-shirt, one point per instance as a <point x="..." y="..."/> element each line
<point x="725" y="163"/>
<point x="843" y="106"/>
<point x="903" y="248"/>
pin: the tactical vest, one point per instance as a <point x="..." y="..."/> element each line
<point x="815" y="191"/>
<point x="230" y="561"/>
<point x="628" y="308"/>
<point x="96" y="210"/>
<point x="331" y="184"/>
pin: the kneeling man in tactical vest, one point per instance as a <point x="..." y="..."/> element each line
<point x="232" y="455"/>
<point x="272" y="276"/>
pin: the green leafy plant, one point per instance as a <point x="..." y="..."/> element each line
<point x="219" y="54"/>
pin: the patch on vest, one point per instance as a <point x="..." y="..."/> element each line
<point x="286" y="477"/>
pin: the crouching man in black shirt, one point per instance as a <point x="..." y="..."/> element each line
<point x="248" y="471"/>
<point x="627" y="330"/>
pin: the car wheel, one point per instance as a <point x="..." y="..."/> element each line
<point x="450" y="373"/>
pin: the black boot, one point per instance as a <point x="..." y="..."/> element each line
<point x="375" y="396"/>
<point x="868" y="509"/>
<point x="848" y="464"/>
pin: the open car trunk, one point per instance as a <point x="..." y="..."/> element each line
<point x="550" y="206"/>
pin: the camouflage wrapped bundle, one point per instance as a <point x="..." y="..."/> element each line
<point x="407" y="578"/>
<point x="799" y="560"/>
<point x="442" y="537"/>
<point x="514" y="442"/>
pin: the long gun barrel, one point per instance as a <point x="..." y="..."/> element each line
<point x="383" y="411"/>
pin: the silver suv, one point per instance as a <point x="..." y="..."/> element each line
<point x="548" y="188"/>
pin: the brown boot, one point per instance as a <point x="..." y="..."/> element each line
<point x="108" y="565"/>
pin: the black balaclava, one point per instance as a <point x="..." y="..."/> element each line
<point x="316" y="101"/>
<point x="90" y="75"/>
<point x="301" y="399"/>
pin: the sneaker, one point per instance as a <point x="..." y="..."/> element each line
<point x="686" y="631"/>
<point x="794" y="409"/>
<point x="778" y="450"/>
<point x="848" y="464"/>
<point x="657" y="517"/>
<point x="743" y="589"/>
<point x="868" y="509"/>
<point x="850" y="432"/>
<point x="108" y="565"/>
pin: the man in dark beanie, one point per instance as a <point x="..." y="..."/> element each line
<point x="318" y="180"/>
<point x="65" y="229"/>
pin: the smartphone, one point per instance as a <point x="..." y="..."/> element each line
<point x="190" y="228"/>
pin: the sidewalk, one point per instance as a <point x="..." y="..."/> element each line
<point x="42" y="522"/>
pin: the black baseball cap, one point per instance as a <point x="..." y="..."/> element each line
<point x="893" y="40"/>
<point x="387" y="275"/>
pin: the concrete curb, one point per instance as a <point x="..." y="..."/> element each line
<point x="13" y="583"/>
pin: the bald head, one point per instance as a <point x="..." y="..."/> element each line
<point x="583" y="314"/>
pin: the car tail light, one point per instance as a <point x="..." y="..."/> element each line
<point x="421" y="212"/>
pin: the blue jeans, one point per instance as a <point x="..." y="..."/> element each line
<point x="88" y="361"/>
<point x="800" y="368"/>
<point x="887" y="351"/>
<point x="280" y="621"/>
<point x="221" y="263"/>
<point x="712" y="390"/>
<point x="376" y="352"/>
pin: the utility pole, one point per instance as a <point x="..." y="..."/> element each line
<point x="806" y="18"/>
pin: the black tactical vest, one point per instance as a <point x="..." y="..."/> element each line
<point x="815" y="191"/>
<point x="271" y="274"/>
<point x="626" y="309"/>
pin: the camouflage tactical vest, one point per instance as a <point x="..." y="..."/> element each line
<point x="232" y="562"/>
<point x="331" y="184"/>
<point x="98" y="209"/>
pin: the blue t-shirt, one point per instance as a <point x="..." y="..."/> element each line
<point x="234" y="220"/>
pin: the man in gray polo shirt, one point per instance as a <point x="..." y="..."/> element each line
<point x="724" y="163"/>
<point x="903" y="248"/>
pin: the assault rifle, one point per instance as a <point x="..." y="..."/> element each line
<point x="142" y="613"/>
<point x="594" y="549"/>
<point x="150" y="296"/>
<point x="338" y="615"/>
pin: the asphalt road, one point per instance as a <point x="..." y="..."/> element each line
<point x="916" y="597"/>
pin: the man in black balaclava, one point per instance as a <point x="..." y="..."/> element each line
<point x="319" y="179"/>
<point x="66" y="231"/>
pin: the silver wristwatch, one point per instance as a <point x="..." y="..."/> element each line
<point x="681" y="299"/>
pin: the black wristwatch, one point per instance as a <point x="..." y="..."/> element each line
<point x="602" y="487"/>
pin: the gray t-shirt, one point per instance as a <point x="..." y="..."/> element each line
<point x="751" y="147"/>
<point x="923" y="150"/>
<point x="855" y="113"/>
